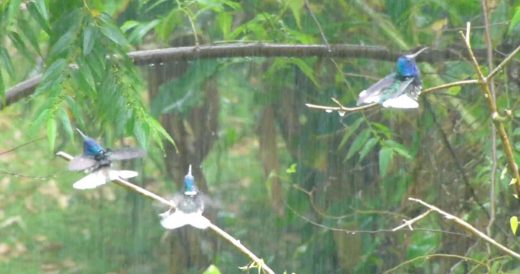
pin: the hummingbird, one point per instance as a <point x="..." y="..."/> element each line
<point x="96" y="161"/>
<point x="189" y="206"/>
<point x="400" y="89"/>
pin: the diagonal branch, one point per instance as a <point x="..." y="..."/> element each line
<point x="259" y="262"/>
<point x="468" y="227"/>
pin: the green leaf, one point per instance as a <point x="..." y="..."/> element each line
<point x="20" y="45"/>
<point x="168" y="24"/>
<point x="141" y="132"/>
<point x="306" y="69"/>
<point x="89" y="37"/>
<point x="62" y="45"/>
<point x="515" y="20"/>
<point x="76" y="110"/>
<point x="358" y="143"/>
<point x="385" y="158"/>
<point x="6" y="61"/>
<point x="28" y="32"/>
<point x="212" y="269"/>
<point x="368" y="147"/>
<point x="2" y="89"/>
<point x="138" y="33"/>
<point x="128" y="25"/>
<point x="399" y="149"/>
<point x="156" y="126"/>
<point x="513" y="221"/>
<point x="111" y="31"/>
<point x="64" y="119"/>
<point x="51" y="132"/>
<point x="292" y="169"/>
<point x="351" y="129"/>
<point x="296" y="7"/>
<point x="38" y="12"/>
<point x="12" y="11"/>
<point x="225" y="21"/>
<point x="53" y="75"/>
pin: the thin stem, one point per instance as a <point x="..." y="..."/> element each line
<point x="426" y="257"/>
<point x="491" y="83"/>
<point x="242" y="248"/>
<point x="483" y="81"/>
<point x="259" y="262"/>
<point x="449" y="85"/>
<point x="504" y="63"/>
<point x="468" y="227"/>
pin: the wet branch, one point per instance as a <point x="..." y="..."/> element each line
<point x="147" y="57"/>
<point x="495" y="117"/>
<point x="259" y="263"/>
<point x="468" y="227"/>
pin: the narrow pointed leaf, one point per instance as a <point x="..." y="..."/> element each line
<point x="368" y="147"/>
<point x="38" y="12"/>
<point x="513" y="221"/>
<point x="385" y="158"/>
<point x="89" y="35"/>
<point x="358" y="143"/>
<point x="51" y="133"/>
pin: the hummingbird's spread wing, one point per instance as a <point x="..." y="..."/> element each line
<point x="126" y="153"/>
<point x="178" y="219"/>
<point x="374" y="93"/>
<point x="81" y="162"/>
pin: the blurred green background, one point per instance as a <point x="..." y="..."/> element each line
<point x="290" y="182"/>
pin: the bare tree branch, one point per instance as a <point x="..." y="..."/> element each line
<point x="146" y="57"/>
<point x="468" y="227"/>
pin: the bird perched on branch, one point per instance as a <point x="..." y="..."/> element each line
<point x="189" y="206"/>
<point x="96" y="161"/>
<point x="400" y="89"/>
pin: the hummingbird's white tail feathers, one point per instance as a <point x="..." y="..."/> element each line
<point x="123" y="174"/>
<point x="92" y="180"/>
<point x="403" y="101"/>
<point x="179" y="219"/>
<point x="101" y="177"/>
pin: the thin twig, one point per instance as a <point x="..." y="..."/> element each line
<point x="342" y="108"/>
<point x="499" y="124"/>
<point x="491" y="84"/>
<point x="426" y="257"/>
<point x="468" y="227"/>
<point x="409" y="223"/>
<point x="449" y="85"/>
<point x="504" y="62"/>
<point x="21" y="145"/>
<point x="260" y="263"/>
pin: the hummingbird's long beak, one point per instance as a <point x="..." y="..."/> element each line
<point x="417" y="53"/>
<point x="81" y="133"/>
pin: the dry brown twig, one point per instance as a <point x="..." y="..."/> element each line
<point x="258" y="262"/>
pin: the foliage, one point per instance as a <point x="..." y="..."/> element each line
<point x="282" y="173"/>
